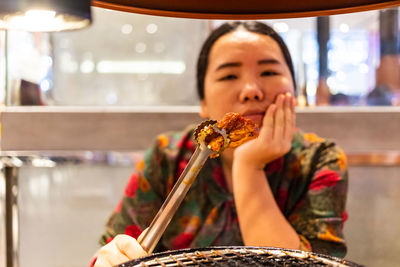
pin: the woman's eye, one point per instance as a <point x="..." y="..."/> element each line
<point x="228" y="77"/>
<point x="268" y="73"/>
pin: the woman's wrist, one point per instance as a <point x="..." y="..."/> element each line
<point x="244" y="160"/>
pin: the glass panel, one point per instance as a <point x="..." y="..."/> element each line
<point x="129" y="59"/>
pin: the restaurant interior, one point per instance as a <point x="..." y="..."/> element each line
<point x="79" y="107"/>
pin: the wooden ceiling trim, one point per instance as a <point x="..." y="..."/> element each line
<point x="249" y="9"/>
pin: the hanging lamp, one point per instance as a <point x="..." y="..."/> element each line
<point x="44" y="15"/>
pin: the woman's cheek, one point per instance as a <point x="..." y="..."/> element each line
<point x="279" y="86"/>
<point x="287" y="85"/>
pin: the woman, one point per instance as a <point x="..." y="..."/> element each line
<point x="282" y="189"/>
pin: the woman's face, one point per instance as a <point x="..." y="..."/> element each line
<point x="245" y="73"/>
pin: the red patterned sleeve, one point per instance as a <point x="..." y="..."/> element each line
<point x="320" y="216"/>
<point x="142" y="197"/>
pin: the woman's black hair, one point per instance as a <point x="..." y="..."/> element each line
<point x="251" y="26"/>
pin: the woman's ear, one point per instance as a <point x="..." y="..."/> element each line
<point x="204" y="110"/>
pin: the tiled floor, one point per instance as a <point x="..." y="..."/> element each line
<point x="63" y="211"/>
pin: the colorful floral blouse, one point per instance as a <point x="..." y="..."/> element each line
<point x="309" y="184"/>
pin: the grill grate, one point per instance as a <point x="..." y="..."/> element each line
<point x="237" y="256"/>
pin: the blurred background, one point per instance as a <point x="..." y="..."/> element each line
<point x="131" y="60"/>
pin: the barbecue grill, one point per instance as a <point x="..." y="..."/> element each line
<point x="238" y="256"/>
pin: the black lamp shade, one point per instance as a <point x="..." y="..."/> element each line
<point x="66" y="14"/>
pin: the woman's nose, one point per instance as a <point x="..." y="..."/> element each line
<point x="251" y="92"/>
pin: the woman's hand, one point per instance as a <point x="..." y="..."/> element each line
<point x="275" y="136"/>
<point x="121" y="249"/>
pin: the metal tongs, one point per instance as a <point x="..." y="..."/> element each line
<point x="160" y="222"/>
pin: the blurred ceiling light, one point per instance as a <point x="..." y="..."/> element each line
<point x="45" y="85"/>
<point x="344" y="27"/>
<point x="126" y="28"/>
<point x="281" y="27"/>
<point x="140" y="47"/>
<point x="44" y="15"/>
<point x="47" y="163"/>
<point x="87" y="66"/>
<point x="167" y="67"/>
<point x="151" y="28"/>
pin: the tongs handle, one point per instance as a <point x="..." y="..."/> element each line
<point x="160" y="222"/>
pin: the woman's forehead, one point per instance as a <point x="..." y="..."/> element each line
<point x="241" y="41"/>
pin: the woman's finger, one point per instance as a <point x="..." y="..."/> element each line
<point x="279" y="123"/>
<point x="268" y="123"/>
<point x="130" y="247"/>
<point x="289" y="117"/>
<point x="102" y="262"/>
<point x="111" y="253"/>
<point x="294" y="103"/>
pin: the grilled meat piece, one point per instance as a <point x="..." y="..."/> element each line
<point x="235" y="127"/>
